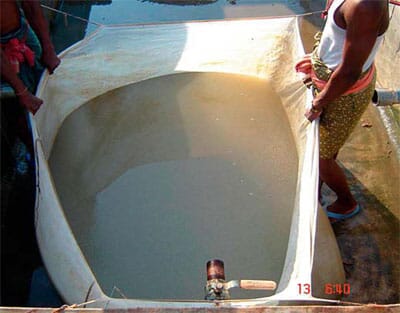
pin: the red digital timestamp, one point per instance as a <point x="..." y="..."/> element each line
<point x="329" y="289"/>
<point x="337" y="289"/>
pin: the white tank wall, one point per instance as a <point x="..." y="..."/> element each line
<point x="259" y="48"/>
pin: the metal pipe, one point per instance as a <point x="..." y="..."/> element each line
<point x="217" y="289"/>
<point x="215" y="269"/>
<point x="384" y="97"/>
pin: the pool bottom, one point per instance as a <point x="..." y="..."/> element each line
<point x="160" y="176"/>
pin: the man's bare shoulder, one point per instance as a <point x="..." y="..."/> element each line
<point x="368" y="14"/>
<point x="367" y="6"/>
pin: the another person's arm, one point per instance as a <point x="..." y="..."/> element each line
<point x="34" y="15"/>
<point x="50" y="60"/>
<point x="25" y="97"/>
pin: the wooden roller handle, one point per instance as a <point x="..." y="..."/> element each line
<point x="258" y="284"/>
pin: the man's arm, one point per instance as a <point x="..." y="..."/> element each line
<point x="25" y="98"/>
<point x="363" y="20"/>
<point x="34" y="15"/>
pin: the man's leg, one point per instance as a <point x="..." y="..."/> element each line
<point x="332" y="174"/>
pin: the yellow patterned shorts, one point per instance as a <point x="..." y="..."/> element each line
<point x="340" y="117"/>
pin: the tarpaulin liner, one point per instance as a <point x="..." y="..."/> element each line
<point x="114" y="61"/>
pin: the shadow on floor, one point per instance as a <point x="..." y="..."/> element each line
<point x="369" y="244"/>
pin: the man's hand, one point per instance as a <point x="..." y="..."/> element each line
<point x="34" y="15"/>
<point x="312" y="115"/>
<point x="30" y="102"/>
<point x="50" y="60"/>
<point x="315" y="111"/>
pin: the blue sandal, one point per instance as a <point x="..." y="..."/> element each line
<point x="339" y="216"/>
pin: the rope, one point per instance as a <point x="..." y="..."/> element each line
<point x="99" y="24"/>
<point x="37" y="180"/>
<point x="72" y="306"/>
<point x="391" y="15"/>
<point x="115" y="288"/>
<point x="394" y="2"/>
<point x="71" y="15"/>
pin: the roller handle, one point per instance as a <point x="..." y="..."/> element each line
<point x="257" y="284"/>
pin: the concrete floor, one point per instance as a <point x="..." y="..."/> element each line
<point x="370" y="241"/>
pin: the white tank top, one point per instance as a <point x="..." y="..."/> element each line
<point x="330" y="49"/>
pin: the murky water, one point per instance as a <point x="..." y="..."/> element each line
<point x="158" y="177"/>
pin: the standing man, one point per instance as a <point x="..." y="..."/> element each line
<point x="343" y="76"/>
<point x="25" y="48"/>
